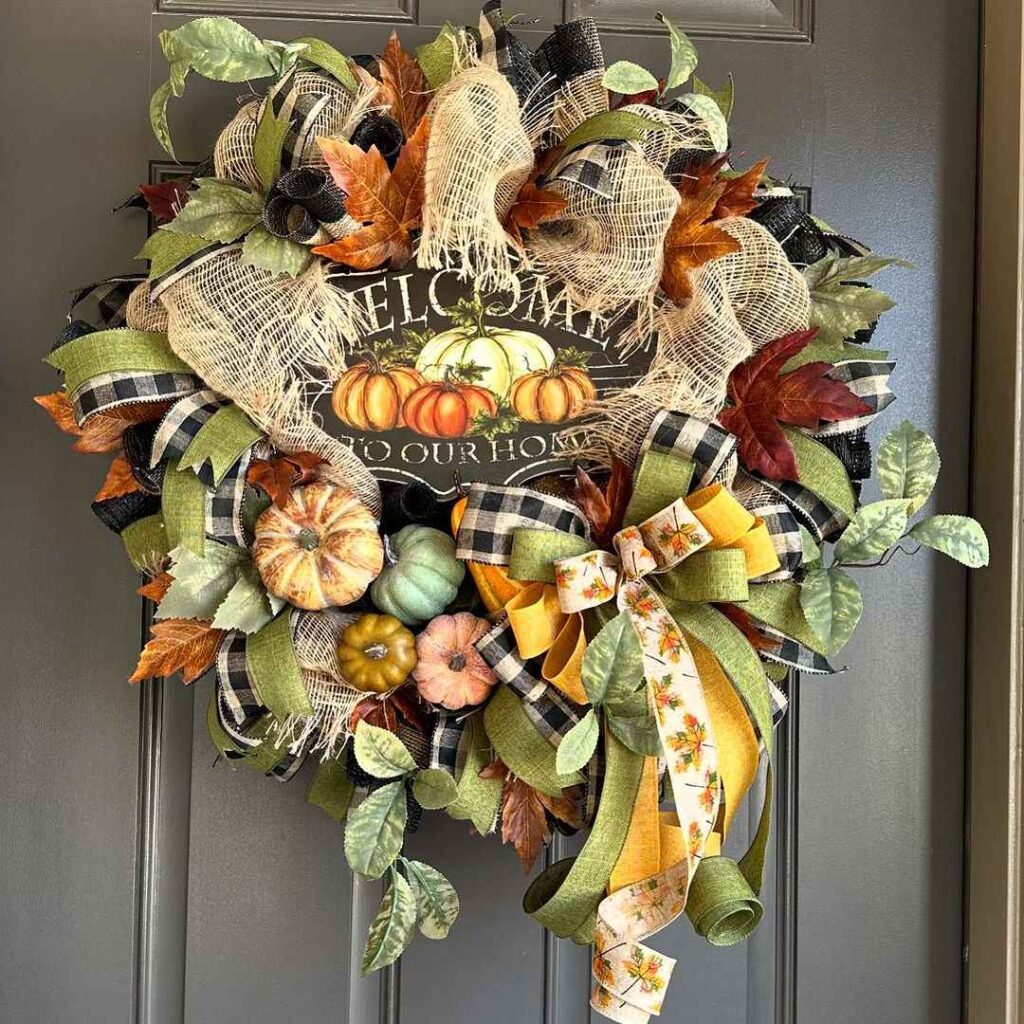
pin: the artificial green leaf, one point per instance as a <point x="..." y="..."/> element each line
<point x="708" y="110"/>
<point x="375" y="830"/>
<point x="840" y="309"/>
<point x="613" y="662"/>
<point x="437" y="902"/>
<point x="381" y="753"/>
<point x="393" y="928"/>
<point x="832" y="605"/>
<point x="437" y="58"/>
<point x="331" y="789"/>
<point x="478" y="798"/>
<point x="611" y="124"/>
<point x="684" y="54"/>
<point x="166" y="249"/>
<point x="219" y="49"/>
<point x="278" y="255"/>
<point x="960" y="537"/>
<point x="724" y="97"/>
<point x="284" y="55"/>
<point x="158" y="116"/>
<point x="219" y="211"/>
<point x="908" y="465"/>
<point x="326" y="57"/>
<point x="578" y="744"/>
<point x="201" y="582"/>
<point x="635" y="726"/>
<point x="872" y="531"/>
<point x="246" y="607"/>
<point x="811" y="552"/>
<point x="271" y="131"/>
<point x="627" y="78"/>
<point x="821" y="471"/>
<point x="434" y="788"/>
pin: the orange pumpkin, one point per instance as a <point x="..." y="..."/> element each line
<point x="369" y="395"/>
<point x="446" y="409"/>
<point x="554" y="395"/>
<point x="321" y="548"/>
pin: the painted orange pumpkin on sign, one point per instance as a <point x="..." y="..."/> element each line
<point x="452" y="385"/>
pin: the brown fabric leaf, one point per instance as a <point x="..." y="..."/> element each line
<point x="60" y="410"/>
<point x="277" y="476"/>
<point x="188" y="646"/>
<point x="119" y="480"/>
<point x="404" y="86"/>
<point x="102" y="431"/>
<point x="523" y="821"/>
<point x="156" y="587"/>
<point x="389" y="204"/>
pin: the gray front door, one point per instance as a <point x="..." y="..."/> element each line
<point x="141" y="883"/>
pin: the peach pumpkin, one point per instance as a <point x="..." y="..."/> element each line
<point x="450" y="671"/>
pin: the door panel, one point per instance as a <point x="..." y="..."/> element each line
<point x="239" y="905"/>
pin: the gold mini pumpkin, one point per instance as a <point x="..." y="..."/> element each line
<point x="376" y="653"/>
<point x="320" y="549"/>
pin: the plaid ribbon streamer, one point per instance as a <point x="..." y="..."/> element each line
<point x="224" y="505"/>
<point x="552" y="714"/>
<point x="823" y="522"/>
<point x="238" y="707"/>
<point x="446" y="740"/>
<point x="179" y="427"/>
<point x="108" y="390"/>
<point x="494" y="512"/>
<point x="301" y="111"/>
<point x="111" y="297"/>
<point x="587" y="167"/>
<point x="794" y="654"/>
<point x="868" y="379"/>
<point x="710" y="447"/>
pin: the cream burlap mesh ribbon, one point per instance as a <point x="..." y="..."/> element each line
<point x="740" y="302"/>
<point x="271" y="344"/>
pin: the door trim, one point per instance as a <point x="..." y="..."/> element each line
<point x="994" y="895"/>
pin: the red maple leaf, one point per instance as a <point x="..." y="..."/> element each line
<point x="763" y="398"/>
<point x="166" y="198"/>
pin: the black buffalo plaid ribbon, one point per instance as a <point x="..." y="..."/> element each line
<point x="446" y="742"/>
<point x="494" y="512"/>
<point x="239" y="710"/>
<point x="224" y="500"/>
<point x="300" y="107"/>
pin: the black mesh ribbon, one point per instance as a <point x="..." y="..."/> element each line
<point x="792" y="228"/>
<point x="377" y="129"/>
<point x="300" y="201"/>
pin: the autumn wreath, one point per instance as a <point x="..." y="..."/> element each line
<point x="500" y="444"/>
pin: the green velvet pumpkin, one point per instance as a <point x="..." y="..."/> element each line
<point x="422" y="576"/>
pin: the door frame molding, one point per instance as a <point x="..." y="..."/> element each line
<point x="994" y="892"/>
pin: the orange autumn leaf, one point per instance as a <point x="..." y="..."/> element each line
<point x="279" y="475"/>
<point x="533" y="206"/>
<point x="156" y="587"/>
<point x="738" y="198"/>
<point x="691" y="242"/>
<point x="389" y="204"/>
<point x="102" y="431"/>
<point x="745" y="624"/>
<point x="404" y="86"/>
<point x="61" y="411"/>
<point x="523" y="821"/>
<point x="565" y="807"/>
<point x="188" y="646"/>
<point x="119" y="480"/>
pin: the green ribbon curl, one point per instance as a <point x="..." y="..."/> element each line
<point x="274" y="670"/>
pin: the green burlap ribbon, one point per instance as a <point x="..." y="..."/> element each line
<point x="331" y="789"/>
<point x="145" y="542"/>
<point x="183" y="503"/>
<point x="479" y="799"/>
<point x="274" y="670"/>
<point x="114" y="351"/>
<point x="262" y="758"/>
<point x="565" y="897"/>
<point x="221" y="439"/>
<point x="518" y="743"/>
<point x="659" y="480"/>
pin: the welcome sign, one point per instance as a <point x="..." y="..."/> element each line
<point x="451" y="386"/>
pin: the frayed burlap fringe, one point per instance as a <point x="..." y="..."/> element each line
<point x="478" y="158"/>
<point x="740" y="302"/>
<point x="271" y="344"/>
<point x="607" y="251"/>
<point x="326" y="731"/>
